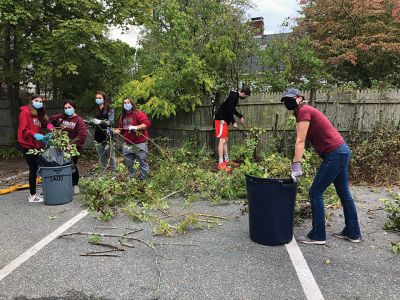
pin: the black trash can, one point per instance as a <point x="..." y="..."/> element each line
<point x="271" y="209"/>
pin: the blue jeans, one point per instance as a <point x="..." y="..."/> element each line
<point x="137" y="152"/>
<point x="105" y="152"/>
<point x="334" y="168"/>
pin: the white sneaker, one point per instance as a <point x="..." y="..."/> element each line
<point x="76" y="190"/>
<point x="35" y="198"/>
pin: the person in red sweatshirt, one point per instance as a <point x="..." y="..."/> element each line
<point x="32" y="120"/>
<point x="133" y="127"/>
<point x="77" y="132"/>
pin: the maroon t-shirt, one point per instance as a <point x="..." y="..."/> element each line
<point x="322" y="134"/>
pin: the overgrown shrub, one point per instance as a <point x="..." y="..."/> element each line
<point x="7" y="152"/>
<point x="393" y="208"/>
<point x="190" y="171"/>
<point x="376" y="155"/>
<point x="393" y="224"/>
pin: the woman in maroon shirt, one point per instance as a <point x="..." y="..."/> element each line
<point x="77" y="132"/>
<point x="313" y="125"/>
<point x="133" y="127"/>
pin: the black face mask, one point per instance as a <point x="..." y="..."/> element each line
<point x="291" y="104"/>
<point x="242" y="97"/>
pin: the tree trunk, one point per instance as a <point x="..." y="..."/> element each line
<point x="54" y="87"/>
<point x="313" y="96"/>
<point x="12" y="69"/>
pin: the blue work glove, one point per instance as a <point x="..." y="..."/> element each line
<point x="39" y="137"/>
<point x="295" y="171"/>
<point x="132" y="128"/>
<point x="48" y="136"/>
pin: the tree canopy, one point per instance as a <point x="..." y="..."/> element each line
<point x="358" y="39"/>
<point x="190" y="49"/>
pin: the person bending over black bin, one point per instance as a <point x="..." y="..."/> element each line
<point x="330" y="145"/>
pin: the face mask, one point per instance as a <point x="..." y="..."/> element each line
<point x="99" y="101"/>
<point x="291" y="104"/>
<point x="242" y="97"/>
<point x="127" y="106"/>
<point x="69" y="111"/>
<point x="37" y="105"/>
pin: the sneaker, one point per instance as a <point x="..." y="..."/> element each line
<point x="35" y="198"/>
<point x="306" y="240"/>
<point x="340" y="235"/>
<point x="76" y="190"/>
<point x="224" y="167"/>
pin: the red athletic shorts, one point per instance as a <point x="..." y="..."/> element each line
<point x="221" y="130"/>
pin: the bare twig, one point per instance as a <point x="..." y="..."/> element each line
<point x="131" y="232"/>
<point x="116" y="248"/>
<point x="151" y="246"/>
<point x="207" y="221"/>
<point x="96" y="233"/>
<point x="104" y="254"/>
<point x="126" y="244"/>
<point x="106" y="227"/>
<point x="171" y="194"/>
<point x="167" y="214"/>
<point x="213" y="216"/>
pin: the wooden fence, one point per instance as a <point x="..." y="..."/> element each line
<point x="265" y="111"/>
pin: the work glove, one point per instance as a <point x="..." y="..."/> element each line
<point x="132" y="128"/>
<point x="39" y="137"/>
<point x="96" y="121"/>
<point x="295" y="171"/>
<point x="109" y="130"/>
<point x="48" y="136"/>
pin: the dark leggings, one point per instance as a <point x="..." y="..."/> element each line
<point x="33" y="167"/>
<point x="75" y="174"/>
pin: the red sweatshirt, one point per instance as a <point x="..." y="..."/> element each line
<point x="134" y="118"/>
<point x="75" y="126"/>
<point x="28" y="126"/>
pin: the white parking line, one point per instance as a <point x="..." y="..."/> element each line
<point x="307" y="280"/>
<point x="36" y="248"/>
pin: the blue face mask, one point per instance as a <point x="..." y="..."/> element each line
<point x="99" y="101"/>
<point x="127" y="106"/>
<point x="69" y="111"/>
<point x="37" y="105"/>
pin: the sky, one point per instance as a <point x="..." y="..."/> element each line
<point x="274" y="13"/>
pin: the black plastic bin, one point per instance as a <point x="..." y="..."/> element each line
<point x="271" y="209"/>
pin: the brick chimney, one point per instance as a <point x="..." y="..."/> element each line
<point x="257" y="24"/>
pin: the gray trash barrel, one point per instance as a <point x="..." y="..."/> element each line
<point x="56" y="184"/>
